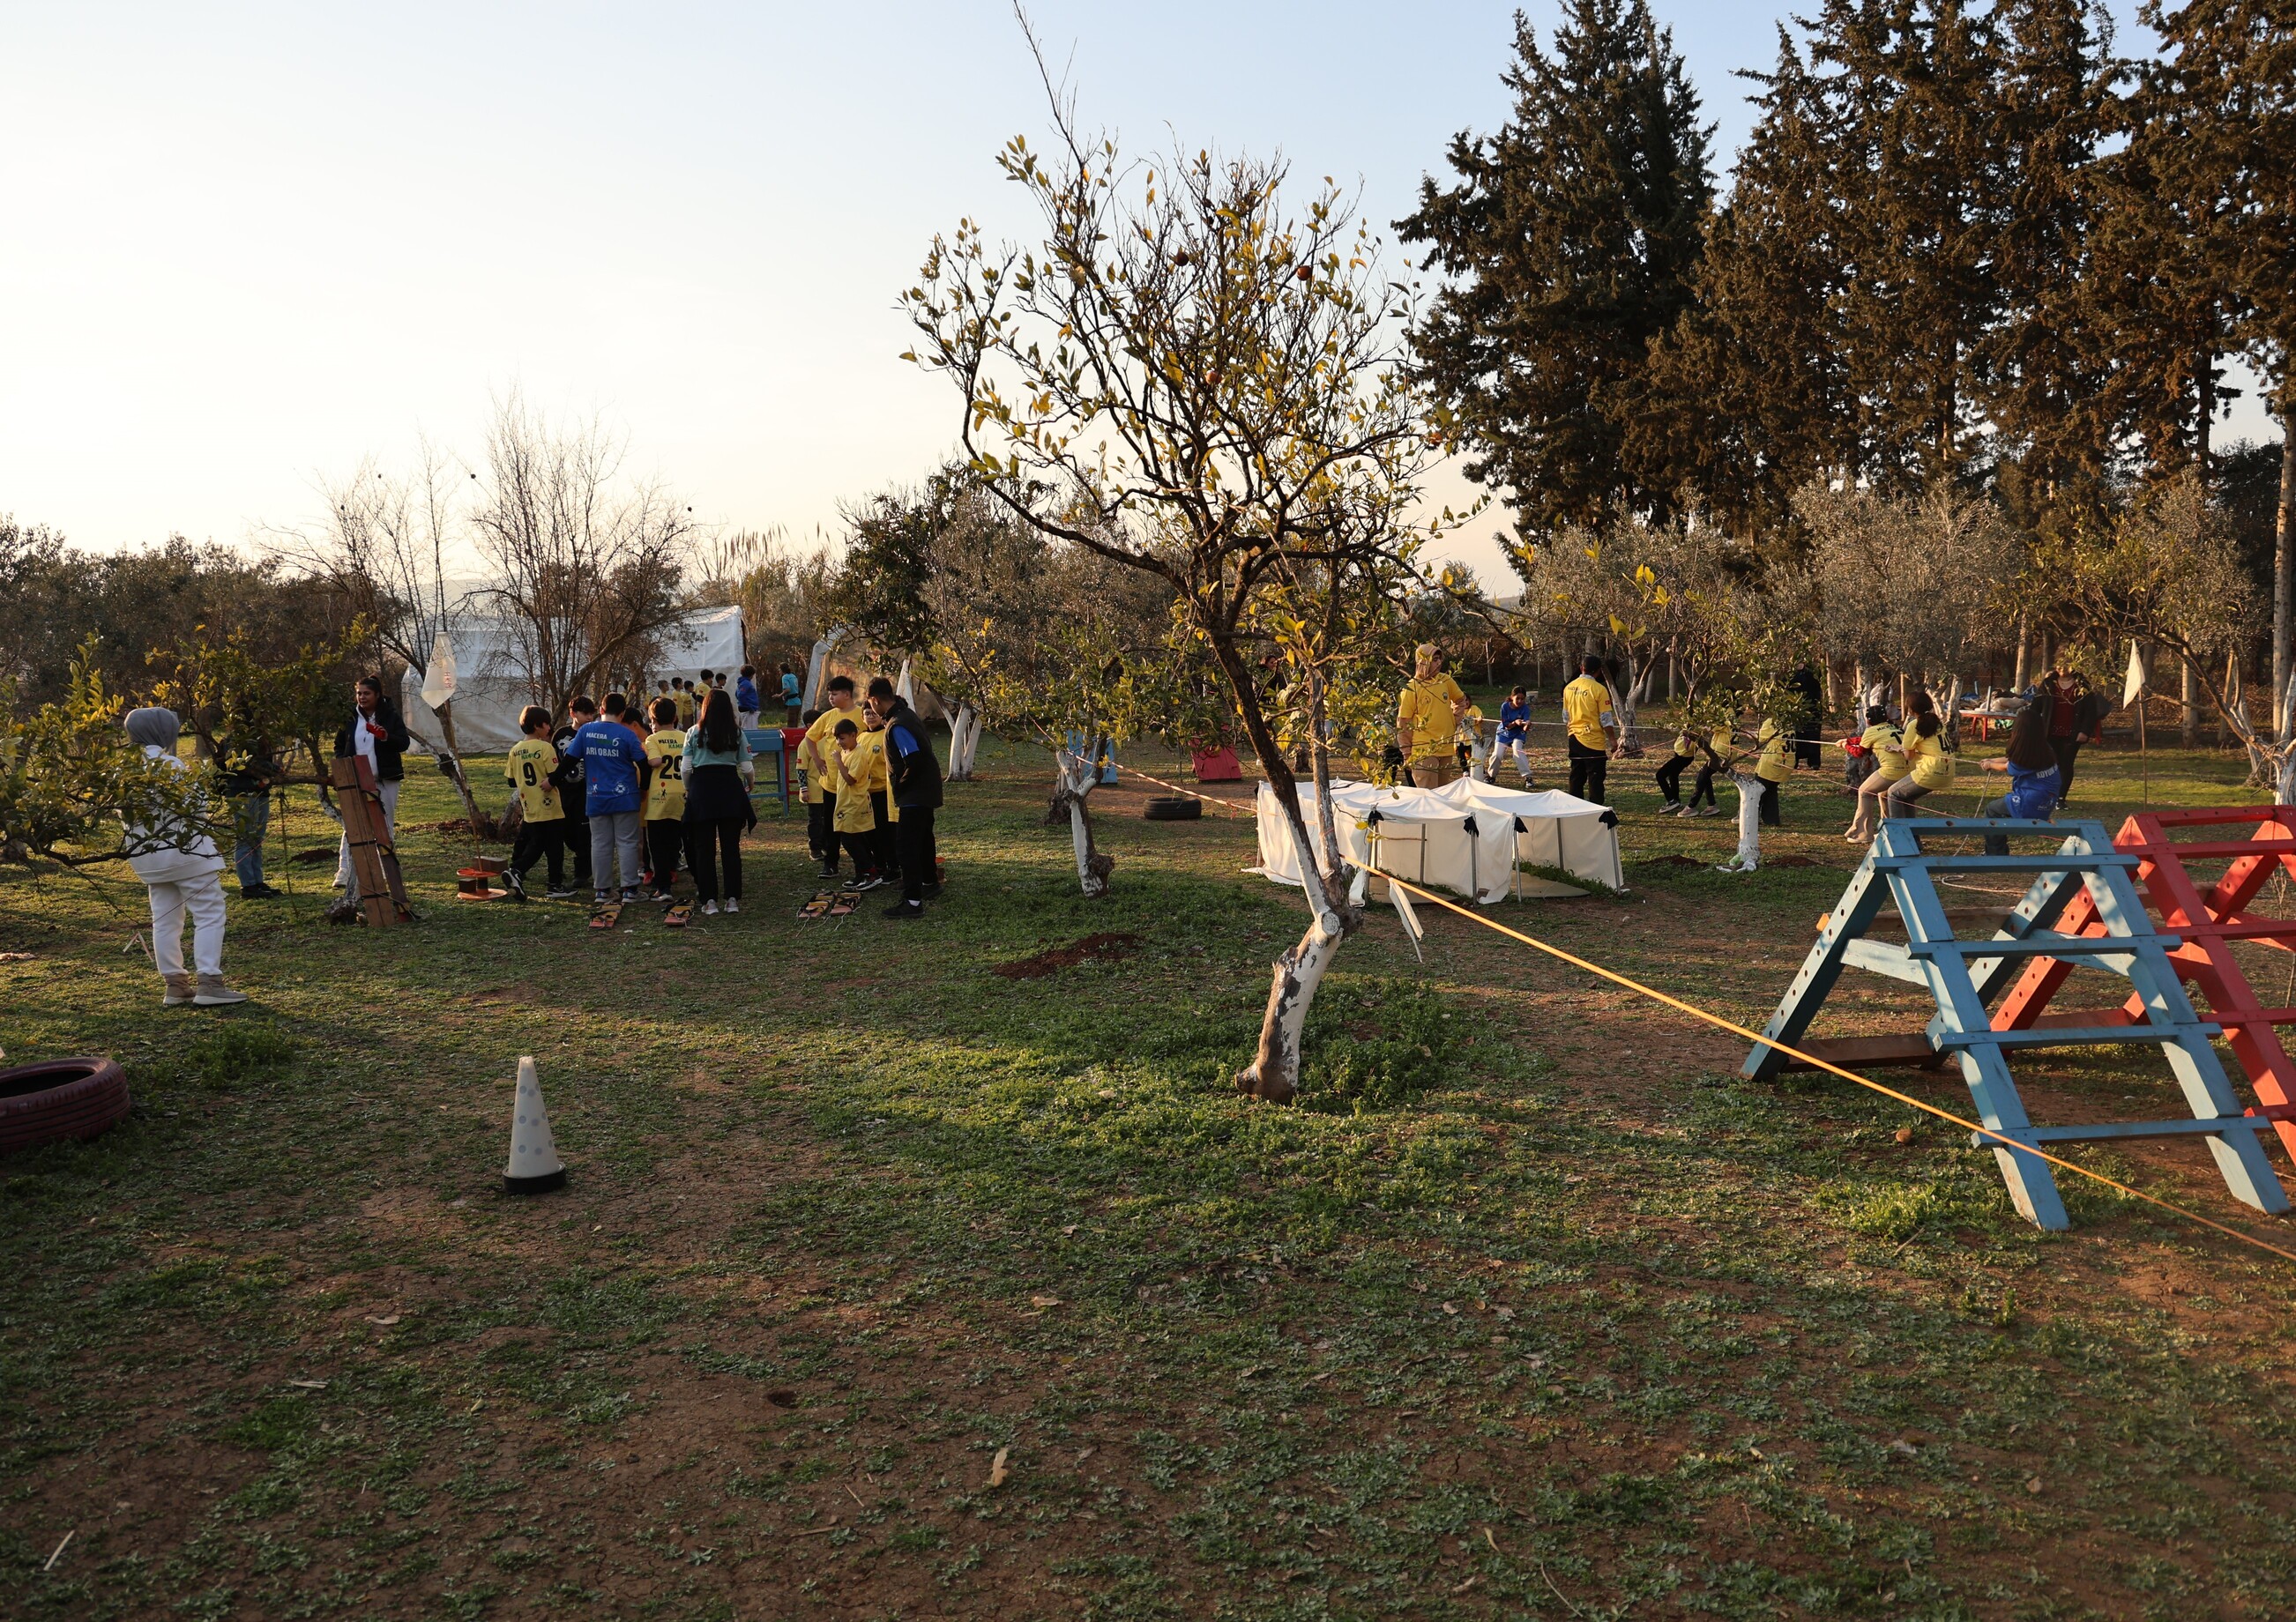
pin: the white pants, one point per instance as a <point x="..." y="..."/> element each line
<point x="344" y="876"/>
<point x="1749" y="817"/>
<point x="1499" y="750"/>
<point x="200" y="898"/>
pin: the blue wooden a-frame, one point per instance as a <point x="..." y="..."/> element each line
<point x="1965" y="977"/>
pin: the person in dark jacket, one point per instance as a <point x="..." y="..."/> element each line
<point x="376" y="734"/>
<point x="1804" y="681"/>
<point x="251" y="768"/>
<point x="913" y="778"/>
<point x="2075" y="718"/>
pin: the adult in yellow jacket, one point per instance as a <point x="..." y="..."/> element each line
<point x="1587" y="713"/>
<point x="1427" y="720"/>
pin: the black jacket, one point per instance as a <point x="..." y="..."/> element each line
<point x="915" y="778"/>
<point x="390" y="750"/>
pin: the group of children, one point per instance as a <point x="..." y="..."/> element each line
<point x="633" y="792"/>
<point x="846" y="783"/>
<point x="872" y="787"/>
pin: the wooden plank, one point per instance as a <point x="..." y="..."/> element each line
<point x="374" y="862"/>
<point x="1908" y="1051"/>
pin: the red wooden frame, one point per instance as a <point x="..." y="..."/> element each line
<point x="2206" y="921"/>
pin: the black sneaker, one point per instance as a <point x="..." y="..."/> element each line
<point x="871" y="882"/>
<point x="904" y="909"/>
<point x="259" y="892"/>
<point x="931" y="892"/>
<point x="515" y="885"/>
<point x="829" y="870"/>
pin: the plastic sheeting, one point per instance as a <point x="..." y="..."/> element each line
<point x="492" y="685"/>
<point x="1466" y="837"/>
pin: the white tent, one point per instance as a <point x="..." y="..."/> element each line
<point x="492" y="684"/>
<point x="1466" y="837"/>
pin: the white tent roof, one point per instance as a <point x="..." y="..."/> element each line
<point x="1466" y="836"/>
<point x="492" y="684"/>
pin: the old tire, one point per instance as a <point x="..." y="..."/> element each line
<point x="64" y="1098"/>
<point x="1173" y="808"/>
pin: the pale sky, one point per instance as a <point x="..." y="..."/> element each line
<point x="249" y="245"/>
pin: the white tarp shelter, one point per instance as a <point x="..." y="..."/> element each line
<point x="1466" y="836"/>
<point x="492" y="684"/>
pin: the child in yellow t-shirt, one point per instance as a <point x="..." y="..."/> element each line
<point x="853" y="818"/>
<point x="1884" y="743"/>
<point x="542" y="820"/>
<point x="665" y="797"/>
<point x="1928" y="768"/>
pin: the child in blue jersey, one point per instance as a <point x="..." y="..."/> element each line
<point x="2035" y="780"/>
<point x="1513" y="735"/>
<point x="614" y="773"/>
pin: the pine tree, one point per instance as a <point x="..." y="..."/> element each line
<point x="2228" y="78"/>
<point x="1914" y="87"/>
<point x="1570" y="238"/>
<point x="1748" y="396"/>
<point x="2046" y="367"/>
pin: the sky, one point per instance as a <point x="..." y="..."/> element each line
<point x="250" y="246"/>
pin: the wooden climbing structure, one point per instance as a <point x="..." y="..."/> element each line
<point x="2071" y="864"/>
<point x="2205" y="917"/>
<point x="374" y="859"/>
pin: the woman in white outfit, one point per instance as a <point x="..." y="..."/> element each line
<point x="182" y="875"/>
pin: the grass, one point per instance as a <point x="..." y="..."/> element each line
<point x="1527" y="1309"/>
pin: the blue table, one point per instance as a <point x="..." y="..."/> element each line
<point x="767" y="740"/>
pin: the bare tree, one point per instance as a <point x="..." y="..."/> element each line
<point x="1212" y="389"/>
<point x="584" y="569"/>
<point x="386" y="546"/>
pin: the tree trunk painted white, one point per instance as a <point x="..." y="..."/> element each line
<point x="1274" y="1073"/>
<point x="453" y="759"/>
<point x="1951" y="713"/>
<point x="1623" y="708"/>
<point x="963" y="743"/>
<point x="1074" y="778"/>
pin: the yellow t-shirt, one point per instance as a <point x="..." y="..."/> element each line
<point x="1424" y="722"/>
<point x="665" y="792"/>
<point x="881" y="777"/>
<point x="821" y="737"/>
<point x="686" y="708"/>
<point x="1582" y="707"/>
<point x="1722" y="742"/>
<point x="1683" y="749"/>
<point x="1932" y="767"/>
<point x="528" y="771"/>
<point x="1883" y="739"/>
<point x="1776" y="762"/>
<point x="854" y="814"/>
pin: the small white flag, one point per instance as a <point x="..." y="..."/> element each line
<point x="2132" y="686"/>
<point x="438" y="675"/>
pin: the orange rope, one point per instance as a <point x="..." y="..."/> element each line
<point x="1790" y="1052"/>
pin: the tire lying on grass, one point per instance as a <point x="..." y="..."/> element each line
<point x="1173" y="808"/>
<point x="64" y="1098"/>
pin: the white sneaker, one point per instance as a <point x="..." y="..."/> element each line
<point x="709" y="909"/>
<point x="732" y="906"/>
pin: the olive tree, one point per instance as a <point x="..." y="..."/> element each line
<point x="1920" y="587"/>
<point x="1211" y="387"/>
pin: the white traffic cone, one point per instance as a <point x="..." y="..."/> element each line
<point x="534" y="1167"/>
